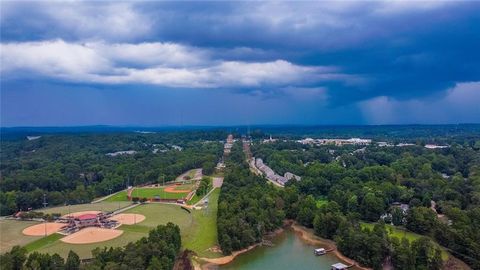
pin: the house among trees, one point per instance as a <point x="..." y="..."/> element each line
<point x="402" y="206"/>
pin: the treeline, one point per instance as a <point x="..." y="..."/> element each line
<point x="468" y="133"/>
<point x="158" y="251"/>
<point x="72" y="169"/>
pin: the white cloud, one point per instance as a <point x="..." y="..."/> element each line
<point x="85" y="20"/>
<point x="459" y="102"/>
<point x="165" y="64"/>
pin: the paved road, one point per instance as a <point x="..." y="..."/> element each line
<point x="197" y="176"/>
<point x="217" y="182"/>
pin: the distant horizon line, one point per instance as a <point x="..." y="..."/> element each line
<point x="227" y="126"/>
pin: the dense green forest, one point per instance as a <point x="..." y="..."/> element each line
<point x="342" y="188"/>
<point x="75" y="168"/>
<point x="158" y="251"/>
<point x="248" y="207"/>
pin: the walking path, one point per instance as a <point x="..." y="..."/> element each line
<point x="126" y="208"/>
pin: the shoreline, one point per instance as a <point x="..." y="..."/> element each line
<point x="208" y="262"/>
<point x="304" y="233"/>
<point x="308" y="236"/>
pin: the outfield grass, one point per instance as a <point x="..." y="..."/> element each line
<point x="149" y="193"/>
<point x="104" y="206"/>
<point x="11" y="234"/>
<point x="399" y="234"/>
<point x="44" y="241"/>
<point x="203" y="233"/>
<point x="157" y="213"/>
<point x="152" y="192"/>
<point x="184" y="187"/>
<point x="85" y="250"/>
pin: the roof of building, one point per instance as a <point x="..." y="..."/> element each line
<point x="339" y="266"/>
<point x="87" y="216"/>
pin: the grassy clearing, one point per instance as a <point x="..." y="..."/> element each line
<point x="394" y="232"/>
<point x="203" y="234"/>
<point x="45" y="241"/>
<point x="11" y="234"/>
<point x="104" y="206"/>
<point x="400" y="233"/>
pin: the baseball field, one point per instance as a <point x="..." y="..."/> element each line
<point x="198" y="228"/>
<point x="168" y="192"/>
<point x="12" y="230"/>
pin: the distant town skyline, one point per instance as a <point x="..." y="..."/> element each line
<point x="239" y="63"/>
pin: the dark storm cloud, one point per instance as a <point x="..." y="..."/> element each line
<point x="353" y="51"/>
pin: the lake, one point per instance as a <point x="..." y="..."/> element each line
<point x="289" y="252"/>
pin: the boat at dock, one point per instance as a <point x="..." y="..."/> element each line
<point x="319" y="251"/>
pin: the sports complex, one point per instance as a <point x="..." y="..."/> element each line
<point x="116" y="220"/>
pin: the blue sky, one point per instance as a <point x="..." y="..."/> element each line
<point x="239" y="63"/>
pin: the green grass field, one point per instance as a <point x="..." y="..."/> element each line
<point x="184" y="187"/>
<point x="194" y="199"/>
<point x="152" y="192"/>
<point x="11" y="234"/>
<point x="149" y="193"/>
<point x="203" y="233"/>
<point x="44" y="241"/>
<point x="400" y="233"/>
<point x="118" y="197"/>
<point x="85" y="250"/>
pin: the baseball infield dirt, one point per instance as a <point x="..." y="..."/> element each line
<point x="81" y="213"/>
<point x="128" y="219"/>
<point x="42" y="228"/>
<point x="91" y="235"/>
<point x="172" y="189"/>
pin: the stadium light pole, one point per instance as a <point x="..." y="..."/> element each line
<point x="45" y="206"/>
<point x="164" y="194"/>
